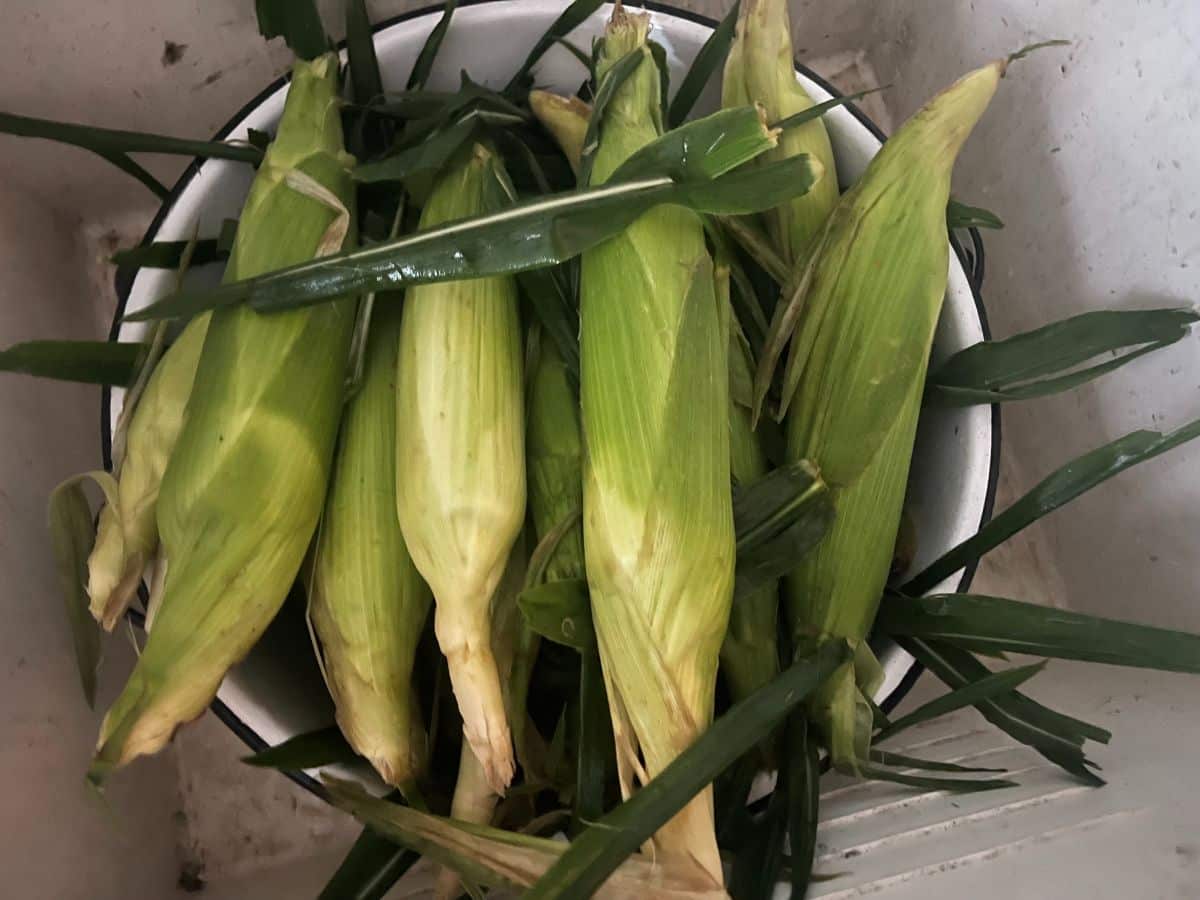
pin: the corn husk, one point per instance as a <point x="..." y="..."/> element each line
<point x="566" y="119"/>
<point x="555" y="461"/>
<point x="368" y="603"/>
<point x="749" y="654"/>
<point x="857" y="365"/>
<point x="127" y="531"/>
<point x="246" y="481"/>
<point x="460" y="456"/>
<point x="474" y="798"/>
<point x="658" y="524"/>
<point x="760" y="69"/>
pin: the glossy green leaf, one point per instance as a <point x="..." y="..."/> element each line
<point x="778" y="519"/>
<point x="424" y="159"/>
<point x="534" y="234"/>
<point x="559" y="611"/>
<point x="373" y="865"/>
<point x="573" y="16"/>
<point x="709" y="60"/>
<point x="114" y="145"/>
<point x="72" y="535"/>
<point x="311" y="750"/>
<point x="934" y="783"/>
<point x="366" y="81"/>
<point x="1044" y="361"/>
<point x="169" y="254"/>
<point x="429" y="51"/>
<point x="969" y="695"/>
<point x="990" y="624"/>
<point x="1057" y="737"/>
<point x="297" y="22"/>
<point x="596" y="755"/>
<point x="819" y="109"/>
<point x="86" y="362"/>
<point x="899" y="760"/>
<point x="1075" y="478"/>
<point x="598" y="851"/>
<point x="804" y="801"/>
<point x="960" y="215"/>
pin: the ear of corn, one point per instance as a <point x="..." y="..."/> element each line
<point x="127" y="531"/>
<point x="368" y="603"/>
<point x="658" y="525"/>
<point x="555" y="460"/>
<point x="460" y="456"/>
<point x="761" y="69"/>
<point x="877" y="279"/>
<point x="246" y="480"/>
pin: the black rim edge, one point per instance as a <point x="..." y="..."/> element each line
<point x="124" y="279"/>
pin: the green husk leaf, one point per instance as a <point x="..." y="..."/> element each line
<point x="297" y="22"/>
<point x="550" y="298"/>
<point x="757" y="866"/>
<point x="777" y="520"/>
<point x="423" y="159"/>
<point x="1057" y="737"/>
<point x="1064" y="485"/>
<point x="113" y="145"/>
<point x="559" y="611"/>
<point x="751" y="238"/>
<point x="804" y="801"/>
<point x="609" y="84"/>
<point x="990" y="624"/>
<point x="596" y="755"/>
<point x="531" y="235"/>
<point x="732" y="137"/>
<point x="429" y="51"/>
<point x="594" y="854"/>
<point x="85" y="362"/>
<point x="311" y="750"/>
<point x="899" y="760"/>
<point x="366" y="81"/>
<point x="169" y="254"/>
<point x="969" y="695"/>
<point x="72" y="534"/>
<point x="933" y="783"/>
<point x="370" y="869"/>
<point x="573" y="16"/>
<point x="819" y="109"/>
<point x="709" y="60"/>
<point x="658" y="53"/>
<point x="129" y="167"/>
<point x="1029" y="365"/>
<point x="960" y="215"/>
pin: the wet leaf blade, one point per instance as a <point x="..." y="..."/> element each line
<point x="709" y="60"/>
<point x="86" y="362"/>
<point x="429" y="51"/>
<point x="373" y="865"/>
<point x="1061" y="487"/>
<point x="1040" y="362"/>
<point x="593" y="855"/>
<point x="970" y="695"/>
<point x="311" y="750"/>
<point x="988" y="624"/>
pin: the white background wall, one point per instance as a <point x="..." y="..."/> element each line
<point x="1088" y="154"/>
